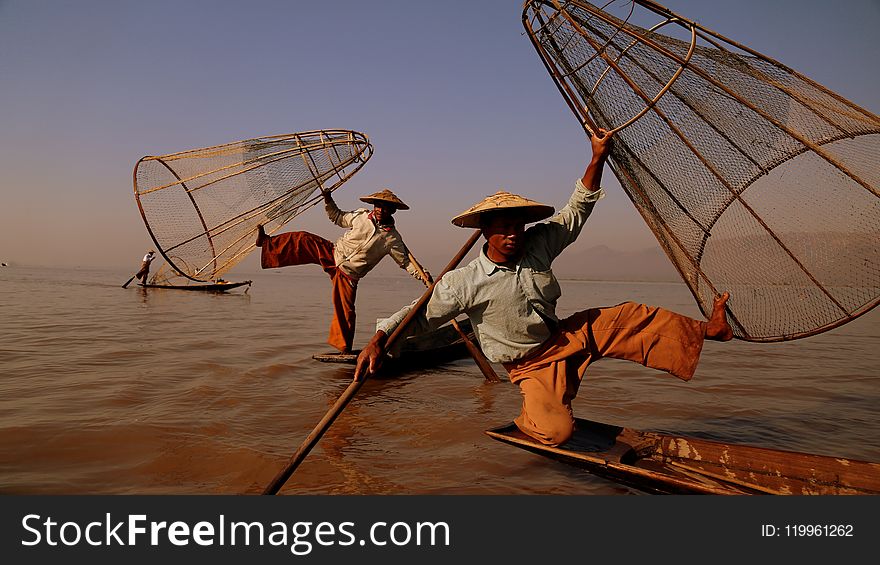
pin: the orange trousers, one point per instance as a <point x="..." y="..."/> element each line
<point x="549" y="377"/>
<point x="304" y="248"/>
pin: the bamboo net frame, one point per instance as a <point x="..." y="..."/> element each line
<point x="754" y="178"/>
<point x="202" y="207"/>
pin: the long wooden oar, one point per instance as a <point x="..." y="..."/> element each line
<point x="352" y="389"/>
<point x="483" y="363"/>
<point x="128" y="282"/>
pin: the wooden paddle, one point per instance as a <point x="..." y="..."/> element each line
<point x="483" y="363"/>
<point x="352" y="389"/>
<point x="128" y="282"/>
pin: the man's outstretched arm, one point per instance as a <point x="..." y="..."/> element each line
<point x="337" y="216"/>
<point x="601" y="144"/>
<point x="441" y="307"/>
<point x="370" y="358"/>
<point x="565" y="227"/>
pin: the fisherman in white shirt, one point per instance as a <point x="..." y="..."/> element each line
<point x="144" y="271"/>
<point x="371" y="236"/>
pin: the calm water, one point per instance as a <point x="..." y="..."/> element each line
<point x="105" y="390"/>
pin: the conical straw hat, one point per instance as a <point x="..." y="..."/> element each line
<point x="385" y="197"/>
<point x="530" y="210"/>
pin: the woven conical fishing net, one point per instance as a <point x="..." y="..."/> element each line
<point x="202" y="207"/>
<point x="754" y="179"/>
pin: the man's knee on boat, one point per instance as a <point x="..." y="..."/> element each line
<point x="554" y="434"/>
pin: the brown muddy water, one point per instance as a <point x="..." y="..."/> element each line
<point x="112" y="391"/>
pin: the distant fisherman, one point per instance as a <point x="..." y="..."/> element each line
<point x="510" y="294"/>
<point x="371" y="237"/>
<point x="144" y="271"/>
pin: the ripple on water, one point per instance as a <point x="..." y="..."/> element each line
<point x="107" y="390"/>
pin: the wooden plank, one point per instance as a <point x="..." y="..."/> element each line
<point x="663" y="463"/>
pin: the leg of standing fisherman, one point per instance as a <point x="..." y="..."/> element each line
<point x="342" y="325"/>
<point x="296" y="248"/>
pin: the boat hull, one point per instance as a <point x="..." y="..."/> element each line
<point x="211" y="287"/>
<point x="431" y="349"/>
<point x="666" y="464"/>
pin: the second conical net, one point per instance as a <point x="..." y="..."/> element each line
<point x="202" y="207"/>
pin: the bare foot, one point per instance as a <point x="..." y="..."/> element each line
<point x="717" y="328"/>
<point x="261" y="235"/>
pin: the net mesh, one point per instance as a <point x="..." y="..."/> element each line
<point x="202" y="207"/>
<point x="753" y="178"/>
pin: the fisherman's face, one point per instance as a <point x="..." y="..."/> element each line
<point x="504" y="235"/>
<point x="382" y="213"/>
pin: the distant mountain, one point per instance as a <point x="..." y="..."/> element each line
<point x="603" y="263"/>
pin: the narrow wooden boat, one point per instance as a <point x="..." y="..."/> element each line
<point x="209" y="287"/>
<point x="433" y="348"/>
<point x="660" y="463"/>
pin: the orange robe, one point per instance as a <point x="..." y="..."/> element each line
<point x="549" y="378"/>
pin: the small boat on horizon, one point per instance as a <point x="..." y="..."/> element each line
<point x="220" y="286"/>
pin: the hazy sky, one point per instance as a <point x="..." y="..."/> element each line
<point x="451" y="93"/>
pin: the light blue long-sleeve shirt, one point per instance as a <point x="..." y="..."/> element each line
<point x="511" y="309"/>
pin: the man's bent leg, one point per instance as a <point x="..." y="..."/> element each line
<point x="544" y="416"/>
<point x="548" y="382"/>
<point x="343" y="323"/>
<point x="297" y="248"/>
<point x="654" y="337"/>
